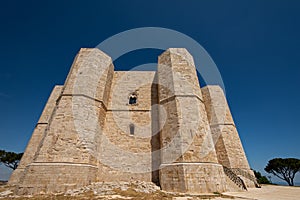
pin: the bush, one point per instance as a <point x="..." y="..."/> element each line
<point x="261" y="179"/>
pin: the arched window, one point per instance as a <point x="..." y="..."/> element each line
<point x="131" y="129"/>
<point x="133" y="98"/>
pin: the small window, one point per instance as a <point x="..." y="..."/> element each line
<point x="131" y="129"/>
<point x="133" y="98"/>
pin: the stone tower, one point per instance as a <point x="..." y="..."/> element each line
<point x="154" y="126"/>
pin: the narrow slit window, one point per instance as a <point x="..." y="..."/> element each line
<point x="131" y="129"/>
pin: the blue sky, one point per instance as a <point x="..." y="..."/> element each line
<point x="255" y="44"/>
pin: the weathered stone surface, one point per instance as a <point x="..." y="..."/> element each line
<point x="37" y="136"/>
<point x="185" y="137"/>
<point x="193" y="177"/>
<point x="56" y="177"/>
<point x="230" y="152"/>
<point x="105" y="125"/>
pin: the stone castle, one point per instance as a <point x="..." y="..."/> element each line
<point x="155" y="126"/>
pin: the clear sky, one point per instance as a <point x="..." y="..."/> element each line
<point x="255" y="44"/>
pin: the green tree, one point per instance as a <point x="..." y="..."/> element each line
<point x="10" y="159"/>
<point x="2" y="152"/>
<point x="261" y="179"/>
<point x="284" y="168"/>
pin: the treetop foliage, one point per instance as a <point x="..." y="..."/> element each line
<point x="284" y="168"/>
<point x="10" y="159"/>
<point x="261" y="179"/>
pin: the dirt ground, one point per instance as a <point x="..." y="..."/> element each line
<point x="269" y="192"/>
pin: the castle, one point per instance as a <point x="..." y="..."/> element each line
<point x="154" y="126"/>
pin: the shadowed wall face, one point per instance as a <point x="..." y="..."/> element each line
<point x="130" y="140"/>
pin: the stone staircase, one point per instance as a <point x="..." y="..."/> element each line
<point x="247" y="175"/>
<point x="234" y="178"/>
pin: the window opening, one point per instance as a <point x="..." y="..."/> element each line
<point x="131" y="128"/>
<point x="133" y="98"/>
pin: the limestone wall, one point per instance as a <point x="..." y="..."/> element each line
<point x="228" y="145"/>
<point x="104" y="125"/>
<point x="185" y="136"/>
<point x="224" y="132"/>
<point x="55" y="177"/>
<point x="126" y="82"/>
<point x="90" y="75"/>
<point x="72" y="139"/>
<point x="193" y="178"/>
<point x="127" y="154"/>
<point x="182" y="105"/>
<point x="37" y="136"/>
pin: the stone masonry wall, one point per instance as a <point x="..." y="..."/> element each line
<point x="224" y="131"/>
<point x="128" y="156"/>
<point x="37" y="136"/>
<point x="228" y="146"/>
<point x="71" y="142"/>
<point x="185" y="136"/>
<point x="174" y="134"/>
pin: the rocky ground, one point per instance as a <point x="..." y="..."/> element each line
<point x="107" y="191"/>
<point x="148" y="191"/>
<point x="3" y="182"/>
